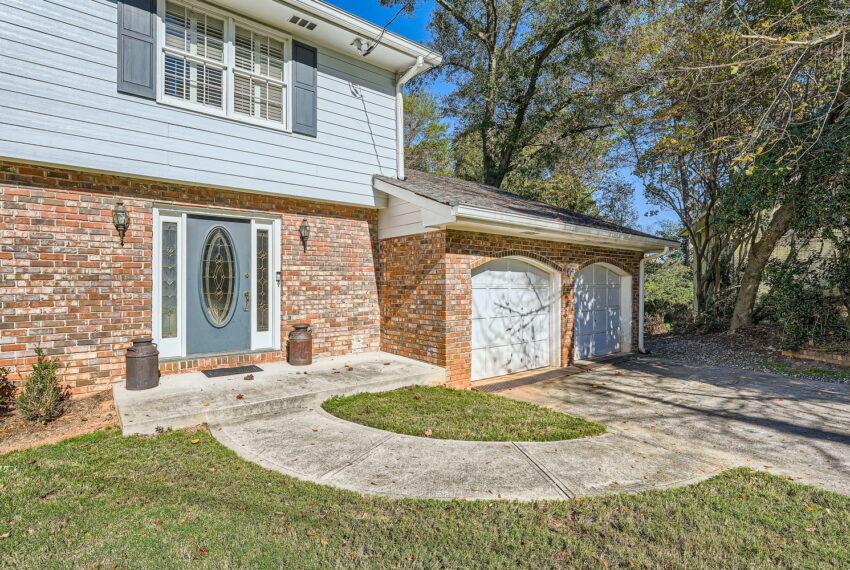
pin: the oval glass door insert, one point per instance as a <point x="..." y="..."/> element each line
<point x="218" y="277"/>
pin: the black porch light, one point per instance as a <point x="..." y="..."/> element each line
<point x="304" y="232"/>
<point x="121" y="220"/>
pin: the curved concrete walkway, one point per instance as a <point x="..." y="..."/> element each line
<point x="313" y="445"/>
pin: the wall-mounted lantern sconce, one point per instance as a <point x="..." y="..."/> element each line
<point x="304" y="232"/>
<point x="121" y="220"/>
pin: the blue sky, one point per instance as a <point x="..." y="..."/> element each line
<point x="415" y="28"/>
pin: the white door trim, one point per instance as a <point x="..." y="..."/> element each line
<point x="176" y="347"/>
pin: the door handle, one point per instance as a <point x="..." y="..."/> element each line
<point x="247" y="295"/>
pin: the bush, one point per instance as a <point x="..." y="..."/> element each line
<point x="42" y="399"/>
<point x="669" y="293"/>
<point x="801" y="301"/>
<point x="7" y="391"/>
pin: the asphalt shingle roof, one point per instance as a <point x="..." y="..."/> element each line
<point x="457" y="192"/>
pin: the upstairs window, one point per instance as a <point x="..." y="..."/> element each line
<point x="213" y="61"/>
<point x="259" y="88"/>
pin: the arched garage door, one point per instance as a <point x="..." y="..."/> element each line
<point x="510" y="318"/>
<point x="598" y="312"/>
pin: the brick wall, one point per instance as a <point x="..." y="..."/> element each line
<point x="70" y="287"/>
<point x="412" y="295"/>
<point x="444" y="284"/>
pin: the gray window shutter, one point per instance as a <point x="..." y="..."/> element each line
<point x="137" y="47"/>
<point x="304" y="84"/>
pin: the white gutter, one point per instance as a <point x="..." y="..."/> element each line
<point x="641" y="295"/>
<point x="414" y="70"/>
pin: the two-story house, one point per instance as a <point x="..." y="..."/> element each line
<point x="211" y="173"/>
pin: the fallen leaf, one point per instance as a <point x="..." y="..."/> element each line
<point x="240" y="396"/>
<point x="810" y="508"/>
<point x="30" y="461"/>
<point x="202" y="552"/>
<point x="428" y="433"/>
<point x="196" y="441"/>
<point x="84" y="419"/>
<point x="208" y="404"/>
<point x="594" y="386"/>
<point x="249" y="377"/>
<point x="743" y="496"/>
<point x="417" y="397"/>
<point x="323" y="541"/>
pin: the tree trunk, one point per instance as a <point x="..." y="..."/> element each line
<point x="757" y="259"/>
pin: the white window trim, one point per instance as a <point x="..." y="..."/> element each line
<point x="230" y="22"/>
<point x="176" y="348"/>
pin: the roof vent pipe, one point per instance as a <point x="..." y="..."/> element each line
<point x="415" y="70"/>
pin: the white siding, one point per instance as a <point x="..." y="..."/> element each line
<point x="400" y="218"/>
<point x="59" y="105"/>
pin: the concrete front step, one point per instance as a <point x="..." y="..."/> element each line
<point x="186" y="400"/>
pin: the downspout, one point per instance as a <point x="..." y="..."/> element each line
<point x="646" y="258"/>
<point x="399" y="114"/>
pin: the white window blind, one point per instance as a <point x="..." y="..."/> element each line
<point x="203" y="54"/>
<point x="194" y="56"/>
<point x="258" y="76"/>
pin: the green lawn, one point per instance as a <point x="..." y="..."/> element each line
<point x="459" y="414"/>
<point x="165" y="502"/>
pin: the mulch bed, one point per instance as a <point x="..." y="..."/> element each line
<point x="755" y="348"/>
<point x="81" y="416"/>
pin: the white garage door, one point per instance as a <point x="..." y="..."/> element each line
<point x="598" y="310"/>
<point x="510" y="318"/>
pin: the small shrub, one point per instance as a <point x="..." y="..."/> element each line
<point x="7" y="391"/>
<point x="800" y="300"/>
<point x="669" y="296"/>
<point x="42" y="399"/>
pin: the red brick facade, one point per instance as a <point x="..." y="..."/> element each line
<point x="70" y="287"/>
<point x="426" y="284"/>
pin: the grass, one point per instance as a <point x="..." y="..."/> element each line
<point x="103" y="500"/>
<point x="459" y="414"/>
<point x="784" y="368"/>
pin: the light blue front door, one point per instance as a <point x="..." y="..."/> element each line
<point x="218" y="285"/>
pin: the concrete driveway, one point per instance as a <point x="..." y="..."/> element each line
<point x="729" y="417"/>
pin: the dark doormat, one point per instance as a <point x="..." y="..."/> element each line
<point x="218" y="372"/>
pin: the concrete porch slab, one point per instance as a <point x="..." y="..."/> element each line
<point x="190" y="399"/>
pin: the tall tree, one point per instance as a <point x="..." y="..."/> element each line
<point x="426" y="140"/>
<point x="752" y="118"/>
<point x="526" y="74"/>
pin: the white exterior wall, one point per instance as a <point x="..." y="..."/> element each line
<point x="400" y="218"/>
<point x="59" y="105"/>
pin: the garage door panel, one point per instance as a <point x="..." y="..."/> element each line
<point x="613" y="296"/>
<point x="584" y="322"/>
<point x="510" y="325"/>
<point x="600" y="297"/>
<point x="537" y="327"/>
<point x="613" y="319"/>
<point x="597" y="312"/>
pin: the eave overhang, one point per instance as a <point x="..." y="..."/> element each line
<point x="436" y="215"/>
<point x="335" y="29"/>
